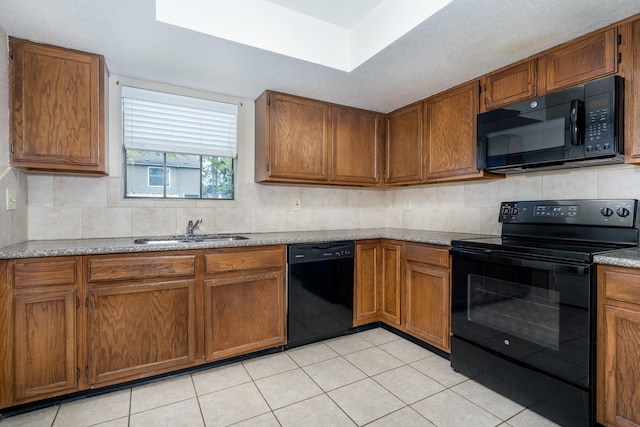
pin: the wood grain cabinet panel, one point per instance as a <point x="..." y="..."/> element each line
<point x="244" y="301"/>
<point x="355" y="146"/>
<point x="378" y="283"/>
<point x="293" y="138"/>
<point x="579" y="61"/>
<point x="618" y="347"/>
<point x="45" y="344"/>
<point x="427" y="298"/>
<point x="629" y="69"/>
<point x="450" y="133"/>
<point x="404" y="146"/>
<point x="145" y="266"/>
<point x="140" y="329"/>
<point x="46" y="272"/>
<point x="367" y="287"/>
<point x="513" y="84"/>
<point x="57" y="108"/>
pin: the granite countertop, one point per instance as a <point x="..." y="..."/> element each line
<point x="621" y="258"/>
<point x="47" y="248"/>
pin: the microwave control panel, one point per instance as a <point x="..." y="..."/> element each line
<point x="599" y="124"/>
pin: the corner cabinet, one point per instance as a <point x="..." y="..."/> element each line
<point x="618" y="347"/>
<point x="378" y="283"/>
<point x="40" y="356"/>
<point x="57" y="107"/>
<point x="244" y="300"/>
<point x="300" y="140"/>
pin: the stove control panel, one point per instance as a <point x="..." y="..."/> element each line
<point x="605" y="212"/>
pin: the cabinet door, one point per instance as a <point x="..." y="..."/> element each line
<point x="140" y="329"/>
<point x="390" y="283"/>
<point x="244" y="313"/>
<point x="629" y="68"/>
<point x="580" y="61"/>
<point x="450" y="133"/>
<point x="299" y="138"/>
<point x="427" y="304"/>
<point x="366" y="297"/>
<point x="45" y="344"/>
<point x="355" y="146"/>
<point x="404" y="146"/>
<point x="620" y="393"/>
<point x="57" y="114"/>
<point x="510" y="85"/>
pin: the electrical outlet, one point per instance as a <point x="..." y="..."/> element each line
<point x="11" y="200"/>
<point x="297" y="204"/>
<point x="407" y="205"/>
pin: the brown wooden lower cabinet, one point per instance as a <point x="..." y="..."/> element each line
<point x="406" y="286"/>
<point x="138" y="329"/>
<point x="68" y="324"/>
<point x="618" y="347"/>
<point x="427" y="294"/>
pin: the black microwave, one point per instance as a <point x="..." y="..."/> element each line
<point x="575" y="127"/>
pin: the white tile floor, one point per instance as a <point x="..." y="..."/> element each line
<point x="372" y="378"/>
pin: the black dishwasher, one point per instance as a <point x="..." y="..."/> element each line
<point x="319" y="291"/>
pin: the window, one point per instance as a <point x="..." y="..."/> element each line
<point x="177" y="146"/>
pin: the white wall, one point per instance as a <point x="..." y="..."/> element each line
<point x="68" y="207"/>
<point x="13" y="224"/>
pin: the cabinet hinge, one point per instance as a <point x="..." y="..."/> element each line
<point x="86" y="372"/>
<point x="77" y="302"/>
<point x="619" y="58"/>
<point x="86" y="302"/>
<point x="619" y="39"/>
<point x="78" y="373"/>
<point x="10" y="53"/>
<point x="269" y="99"/>
<point x="12" y="147"/>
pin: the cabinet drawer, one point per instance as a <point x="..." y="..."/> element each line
<point x="140" y="267"/>
<point x="622" y="285"/>
<point x="45" y="272"/>
<point x="244" y="259"/>
<point x="435" y="255"/>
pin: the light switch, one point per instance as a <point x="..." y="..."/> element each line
<point x="11" y="200"/>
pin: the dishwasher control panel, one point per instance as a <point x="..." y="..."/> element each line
<point x="310" y="252"/>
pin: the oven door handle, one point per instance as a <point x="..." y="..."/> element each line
<point x="492" y="256"/>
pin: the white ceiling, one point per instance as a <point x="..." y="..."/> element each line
<point x="343" y="13"/>
<point x="465" y="39"/>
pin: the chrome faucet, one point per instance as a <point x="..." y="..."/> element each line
<point x="191" y="225"/>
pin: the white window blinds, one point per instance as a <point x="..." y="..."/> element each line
<point x="158" y="121"/>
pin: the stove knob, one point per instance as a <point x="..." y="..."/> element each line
<point x="622" y="212"/>
<point x="606" y="212"/>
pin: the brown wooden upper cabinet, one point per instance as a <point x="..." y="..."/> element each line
<point x="450" y="134"/>
<point x="512" y="84"/>
<point x="355" y="146"/>
<point x="301" y="140"/>
<point x="579" y="61"/>
<point x="404" y="146"/>
<point x="57" y="108"/>
<point x="629" y="68"/>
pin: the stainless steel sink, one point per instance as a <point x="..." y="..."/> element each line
<point x="186" y="239"/>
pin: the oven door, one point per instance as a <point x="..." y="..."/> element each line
<point x="533" y="311"/>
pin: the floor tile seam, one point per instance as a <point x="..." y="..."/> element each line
<point x="408" y="363"/>
<point x="53" y="421"/>
<point x="319" y="361"/>
<point x="408" y="404"/>
<point x="446" y="386"/>
<point x="475" y="404"/>
<point x="397" y="410"/>
<point x="340" y="407"/>
<point x="195" y="389"/>
<point x="524" y="409"/>
<point x="164" y="405"/>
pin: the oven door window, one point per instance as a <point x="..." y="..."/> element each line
<point x="537" y="312"/>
